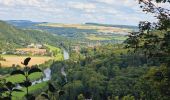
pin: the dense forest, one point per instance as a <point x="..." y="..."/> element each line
<point x="137" y="69"/>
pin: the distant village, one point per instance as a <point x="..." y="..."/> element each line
<point x="32" y="49"/>
<point x="39" y="49"/>
<point x="77" y="47"/>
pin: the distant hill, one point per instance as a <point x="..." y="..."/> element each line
<point x="12" y="37"/>
<point x="110" y="25"/>
<point x="31" y="24"/>
<point x="23" y="23"/>
<point x="62" y="31"/>
<point x="89" y="32"/>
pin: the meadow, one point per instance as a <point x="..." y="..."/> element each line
<point x="57" y="53"/>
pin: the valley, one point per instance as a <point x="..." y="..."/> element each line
<point x="45" y="47"/>
<point x="72" y="59"/>
<point x="81" y="32"/>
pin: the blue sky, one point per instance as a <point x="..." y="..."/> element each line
<point x="74" y="11"/>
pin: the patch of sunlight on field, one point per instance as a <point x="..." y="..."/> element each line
<point x="14" y="59"/>
<point x="93" y="37"/>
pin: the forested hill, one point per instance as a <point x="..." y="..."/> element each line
<point x="11" y="37"/>
<point x="24" y="23"/>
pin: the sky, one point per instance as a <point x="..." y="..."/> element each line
<point x="122" y="12"/>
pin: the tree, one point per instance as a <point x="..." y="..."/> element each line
<point x="154" y="42"/>
<point x="53" y="94"/>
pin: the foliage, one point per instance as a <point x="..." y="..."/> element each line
<point x="55" y="52"/>
<point x="52" y="94"/>
<point x="100" y="73"/>
<point x="12" y="37"/>
<point x="7" y="89"/>
<point x="26" y="72"/>
<point x="153" y="41"/>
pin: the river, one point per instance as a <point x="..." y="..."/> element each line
<point x="47" y="71"/>
<point x="66" y="57"/>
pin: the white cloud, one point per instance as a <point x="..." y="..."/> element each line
<point x="106" y="1"/>
<point x="109" y="11"/>
<point x="6" y="2"/>
<point x="87" y="7"/>
<point x="38" y="5"/>
<point x="20" y="2"/>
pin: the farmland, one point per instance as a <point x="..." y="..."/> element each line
<point x="94" y="37"/>
<point x="14" y="59"/>
<point x="32" y="51"/>
<point x="88" y="27"/>
<point x="101" y="37"/>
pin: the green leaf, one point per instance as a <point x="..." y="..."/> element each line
<point x="33" y="70"/>
<point x="3" y="89"/>
<point x="6" y="98"/>
<point x="17" y="90"/>
<point x="45" y="96"/>
<point x="26" y="83"/>
<point x="26" y="61"/>
<point x="18" y="72"/>
<point x="51" y="88"/>
<point x="10" y="85"/>
<point x="61" y="92"/>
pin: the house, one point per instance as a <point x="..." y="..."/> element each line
<point x="32" y="51"/>
<point x="32" y="45"/>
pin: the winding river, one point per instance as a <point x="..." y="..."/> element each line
<point x="47" y="71"/>
<point x="66" y="57"/>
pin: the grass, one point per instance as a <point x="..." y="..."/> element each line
<point x="20" y="78"/>
<point x="57" y="52"/>
<point x="37" y="88"/>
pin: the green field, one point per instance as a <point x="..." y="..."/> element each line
<point x="100" y="38"/>
<point x="57" y="52"/>
<point x="119" y="37"/>
<point x="112" y="37"/>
